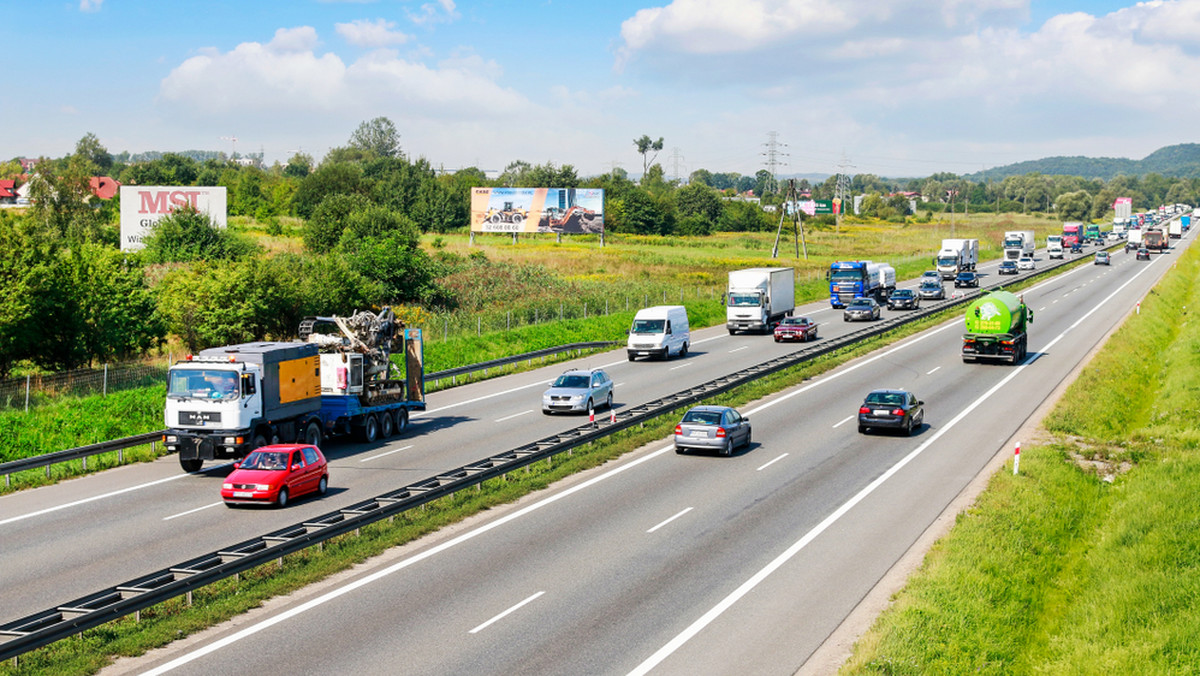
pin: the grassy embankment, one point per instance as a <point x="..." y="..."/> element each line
<point x="1088" y="561"/>
<point x="624" y="269"/>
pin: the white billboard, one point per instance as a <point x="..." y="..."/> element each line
<point x="143" y="205"/>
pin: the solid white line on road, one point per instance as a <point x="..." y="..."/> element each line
<point x="190" y="511"/>
<point x="781" y="457"/>
<point x="515" y="415"/>
<point x="685" y="365"/>
<point x="103" y="496"/>
<point x="844" y="421"/>
<point x="929" y="373"/>
<point x="739" y="349"/>
<point x="394" y="450"/>
<point x="745" y="588"/>
<point x="505" y="613"/>
<point x="660" y="525"/>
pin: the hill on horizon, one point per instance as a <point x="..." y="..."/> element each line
<point x="1177" y="161"/>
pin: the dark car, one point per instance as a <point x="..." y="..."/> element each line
<point x="966" y="278"/>
<point x="796" y="328"/>
<point x="712" y="428"/>
<point x="1008" y="268"/>
<point x="932" y="289"/>
<point x="1076" y="248"/>
<point x="1102" y="258"/>
<point x="891" y="409"/>
<point x="275" y="474"/>
<point x="903" y="299"/>
<point x="1143" y="254"/>
<point x="861" y="309"/>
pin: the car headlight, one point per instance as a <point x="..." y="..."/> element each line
<point x="578" y="397"/>
<point x="262" y="487"/>
<point x="227" y="486"/>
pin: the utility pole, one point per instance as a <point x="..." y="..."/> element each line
<point x="791" y="201"/>
<point x="233" y="146"/>
<point x="842" y="190"/>
<point x="675" y="159"/>
<point x="773" y="154"/>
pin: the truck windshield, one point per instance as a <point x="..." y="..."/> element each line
<point x="847" y="275"/>
<point x="1012" y="243"/>
<point x="947" y="261"/>
<point x="202" y="384"/>
<point x="744" y="300"/>
<point x="647" y="326"/>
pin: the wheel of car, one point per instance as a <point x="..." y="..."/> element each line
<point x="191" y="464"/>
<point x="401" y="420"/>
<point x="732" y="331"/>
<point x="282" y="499"/>
<point x="386" y="425"/>
<point x="589" y="406"/>
<point x="862" y="429"/>
<point x="680" y="450"/>
<point x="728" y="450"/>
<point x="631" y="357"/>
<point x="323" y="486"/>
<point x="908" y="428"/>
<point x="747" y="444"/>
<point x="608" y="401"/>
<point x="312" y="434"/>
<point x="776" y="339"/>
<point x="371" y="429"/>
<point x="666" y="353"/>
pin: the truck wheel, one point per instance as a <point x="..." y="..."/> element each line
<point x="258" y="442"/>
<point x="191" y="464"/>
<point x="386" y="425"/>
<point x="371" y="429"/>
<point x="312" y="434"/>
<point x="401" y="420"/>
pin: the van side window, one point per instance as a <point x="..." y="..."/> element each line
<point x="668" y="327"/>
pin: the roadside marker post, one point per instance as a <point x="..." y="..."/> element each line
<point x="592" y="416"/>
<point x="1017" y="459"/>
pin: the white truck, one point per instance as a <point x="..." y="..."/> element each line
<point x="1054" y="248"/>
<point x="1175" y="228"/>
<point x="955" y="256"/>
<point x="1019" y="243"/>
<point x="757" y="298"/>
<point x="1134" y="237"/>
<point x="658" y="332"/>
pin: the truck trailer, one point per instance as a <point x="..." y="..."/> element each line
<point x="227" y="401"/>
<point x="955" y="256"/>
<point x="1018" y="243"/>
<point x="1154" y="239"/>
<point x="997" y="326"/>
<point x="756" y="299"/>
<point x="857" y="279"/>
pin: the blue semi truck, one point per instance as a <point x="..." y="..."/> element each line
<point x="857" y="279"/>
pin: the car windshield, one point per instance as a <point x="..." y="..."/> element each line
<point x="966" y="275"/>
<point x="572" y="381"/>
<point x="202" y="384"/>
<point x="744" y="300"/>
<point x="270" y="461"/>
<point x="860" y="304"/>
<point x="931" y="284"/>
<point x="885" y="398"/>
<point x="648" y="325"/>
<point x="902" y="293"/>
<point x="793" y="321"/>
<point x="703" y="417"/>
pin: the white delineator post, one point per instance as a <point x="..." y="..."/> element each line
<point x="1017" y="459"/>
<point x="592" y="416"/>
<point x="612" y="416"/>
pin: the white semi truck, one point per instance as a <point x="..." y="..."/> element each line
<point x="1019" y="243"/>
<point x="955" y="256"/>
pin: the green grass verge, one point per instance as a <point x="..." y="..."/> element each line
<point x="1089" y="560"/>
<point x="216" y="603"/>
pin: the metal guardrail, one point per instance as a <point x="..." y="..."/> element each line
<point x="68" y="619"/>
<point x="83" y="452"/>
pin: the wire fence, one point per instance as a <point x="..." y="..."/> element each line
<point x="26" y="392"/>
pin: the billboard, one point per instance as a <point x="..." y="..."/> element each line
<point x="143" y="205"/>
<point x="1123" y="206"/>
<point x="569" y="210"/>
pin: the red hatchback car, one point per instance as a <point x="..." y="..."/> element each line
<point x="276" y="474"/>
<point x="796" y="328"/>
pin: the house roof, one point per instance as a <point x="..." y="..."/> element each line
<point x="8" y="188"/>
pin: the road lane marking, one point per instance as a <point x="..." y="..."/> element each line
<point x="515" y="415"/>
<point x="104" y="495"/>
<point x="844" y="421"/>
<point x="929" y="373"/>
<point x="669" y="520"/>
<point x="190" y="511"/>
<point x="739" y="349"/>
<point x="394" y="450"/>
<point x="1041" y="308"/>
<point x="418" y="414"/>
<point x="747" y="586"/>
<point x="675" y="368"/>
<point x="505" y="613"/>
<point x="772" y="462"/>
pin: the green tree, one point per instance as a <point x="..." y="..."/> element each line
<point x="1074" y="206"/>
<point x="644" y="145"/>
<point x="299" y="166"/>
<point x="340" y="178"/>
<point x="189" y="235"/>
<point x="92" y="151"/>
<point x="697" y="199"/>
<point x="377" y="136"/>
<point x="324" y="230"/>
<point x="645" y="215"/>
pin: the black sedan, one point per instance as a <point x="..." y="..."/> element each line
<point x="861" y="309"/>
<point x="891" y="409"/>
<point x="966" y="278"/>
<point x="903" y="299"/>
<point x="1008" y="268"/>
<point x="1143" y="254"/>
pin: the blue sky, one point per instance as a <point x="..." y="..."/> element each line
<point x="896" y="87"/>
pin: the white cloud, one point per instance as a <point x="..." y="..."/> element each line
<point x="441" y="11"/>
<point x="90" y="5"/>
<point x="378" y="33"/>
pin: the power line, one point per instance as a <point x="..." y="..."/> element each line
<point x="773" y="154"/>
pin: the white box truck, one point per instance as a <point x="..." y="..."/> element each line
<point x="955" y="256"/>
<point x="757" y="298"/>
<point x="1054" y="247"/>
<point x="659" y="332"/>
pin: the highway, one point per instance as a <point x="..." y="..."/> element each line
<point x="687" y="564"/>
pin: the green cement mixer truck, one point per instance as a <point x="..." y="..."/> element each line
<point x="996" y="328"/>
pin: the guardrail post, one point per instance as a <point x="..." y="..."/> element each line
<point x="27" y="392"/>
<point x="104" y="390"/>
<point x="585" y="310"/>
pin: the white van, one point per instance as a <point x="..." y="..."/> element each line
<point x="659" y="331"/>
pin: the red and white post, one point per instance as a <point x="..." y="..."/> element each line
<point x="612" y="416"/>
<point x="592" y="416"/>
<point x="1017" y="459"/>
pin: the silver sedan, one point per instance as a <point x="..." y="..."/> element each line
<point x="712" y="428"/>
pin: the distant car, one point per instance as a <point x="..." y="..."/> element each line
<point x="861" y="309"/>
<point x="796" y="328"/>
<point x="903" y="299"/>
<point x="891" y="409"/>
<point x="934" y="274"/>
<point x="712" y="428"/>
<point x="1130" y="246"/>
<point x="578" y="391"/>
<point x="966" y="278"/>
<point x="275" y="475"/>
<point x="931" y="289"/>
<point x="1076" y="248"/>
<point x="1112" y="236"/>
<point x="1102" y="258"/>
<point x="1007" y="268"/>
<point x="1025" y="263"/>
<point x="1143" y="254"/>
